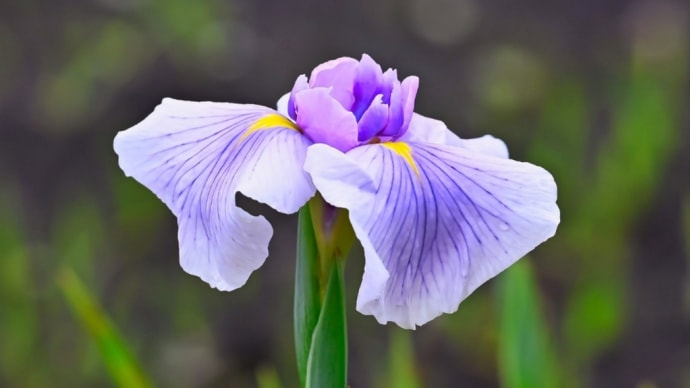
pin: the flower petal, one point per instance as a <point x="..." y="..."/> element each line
<point x="423" y="129"/>
<point x="409" y="87"/>
<point x="396" y="115"/>
<point x="427" y="130"/>
<point x="366" y="83"/>
<point x="373" y="119"/>
<point x="339" y="75"/>
<point x="195" y="156"/>
<point x="388" y="80"/>
<point x="324" y="120"/>
<point x="300" y="84"/>
<point x="435" y="221"/>
<point x="486" y="144"/>
<point x="282" y="104"/>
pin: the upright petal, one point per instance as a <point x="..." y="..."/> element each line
<point x="339" y="75"/>
<point x="373" y="119"/>
<point x="366" y="83"/>
<point x="195" y="156"/>
<point x="435" y="221"/>
<point x="396" y="115"/>
<point x="409" y="87"/>
<point x="300" y="84"/>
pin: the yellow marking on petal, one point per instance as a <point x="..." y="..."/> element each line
<point x="272" y="120"/>
<point x="404" y="151"/>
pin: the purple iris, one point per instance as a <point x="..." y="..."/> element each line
<point x="437" y="215"/>
<point x="346" y="103"/>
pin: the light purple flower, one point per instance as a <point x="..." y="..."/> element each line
<point x="437" y="215"/>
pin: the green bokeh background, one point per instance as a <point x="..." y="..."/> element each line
<point x="596" y="92"/>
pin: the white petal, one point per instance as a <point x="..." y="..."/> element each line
<point x="423" y="129"/>
<point x="195" y="156"/>
<point x="427" y="130"/>
<point x="486" y="144"/>
<point x="282" y="104"/>
<point x="436" y="226"/>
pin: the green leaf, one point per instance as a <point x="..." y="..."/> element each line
<point x="327" y="366"/>
<point x="594" y="318"/>
<point x="123" y="367"/>
<point x="525" y="358"/>
<point x="307" y="305"/>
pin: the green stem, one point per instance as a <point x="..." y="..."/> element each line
<point x="324" y="238"/>
<point x="307" y="304"/>
<point x="327" y="365"/>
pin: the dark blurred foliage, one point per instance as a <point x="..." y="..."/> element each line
<point x="594" y="91"/>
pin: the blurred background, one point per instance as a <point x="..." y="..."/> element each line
<point x="91" y="292"/>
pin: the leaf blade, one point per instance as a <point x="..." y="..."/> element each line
<point x="121" y="363"/>
<point x="525" y="356"/>
<point x="327" y="366"/>
<point x="307" y="304"/>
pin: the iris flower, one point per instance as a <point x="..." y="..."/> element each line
<point x="437" y="215"/>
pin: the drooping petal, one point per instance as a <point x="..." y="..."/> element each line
<point x="435" y="221"/>
<point x="324" y="120"/>
<point x="427" y="130"/>
<point x="195" y="156"/>
<point x="486" y="144"/>
<point x="423" y="129"/>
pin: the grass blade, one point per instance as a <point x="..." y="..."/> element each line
<point x="123" y="367"/>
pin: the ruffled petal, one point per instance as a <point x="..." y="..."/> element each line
<point x="435" y="221"/>
<point x="300" y="84"/>
<point x="324" y="120"/>
<point x="396" y="116"/>
<point x="195" y="156"/>
<point x="366" y="83"/>
<point x="388" y="80"/>
<point x="427" y="130"/>
<point x="409" y="87"/>
<point x="338" y="75"/>
<point x="373" y="120"/>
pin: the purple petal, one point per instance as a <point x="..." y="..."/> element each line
<point x="396" y="115"/>
<point x="409" y="92"/>
<point x="324" y="120"/>
<point x="388" y="80"/>
<point x="373" y="120"/>
<point x="435" y="221"/>
<point x="426" y="130"/>
<point x="300" y="84"/>
<point x="339" y="75"/>
<point x="195" y="156"/>
<point x="366" y="84"/>
<point x="423" y="129"/>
